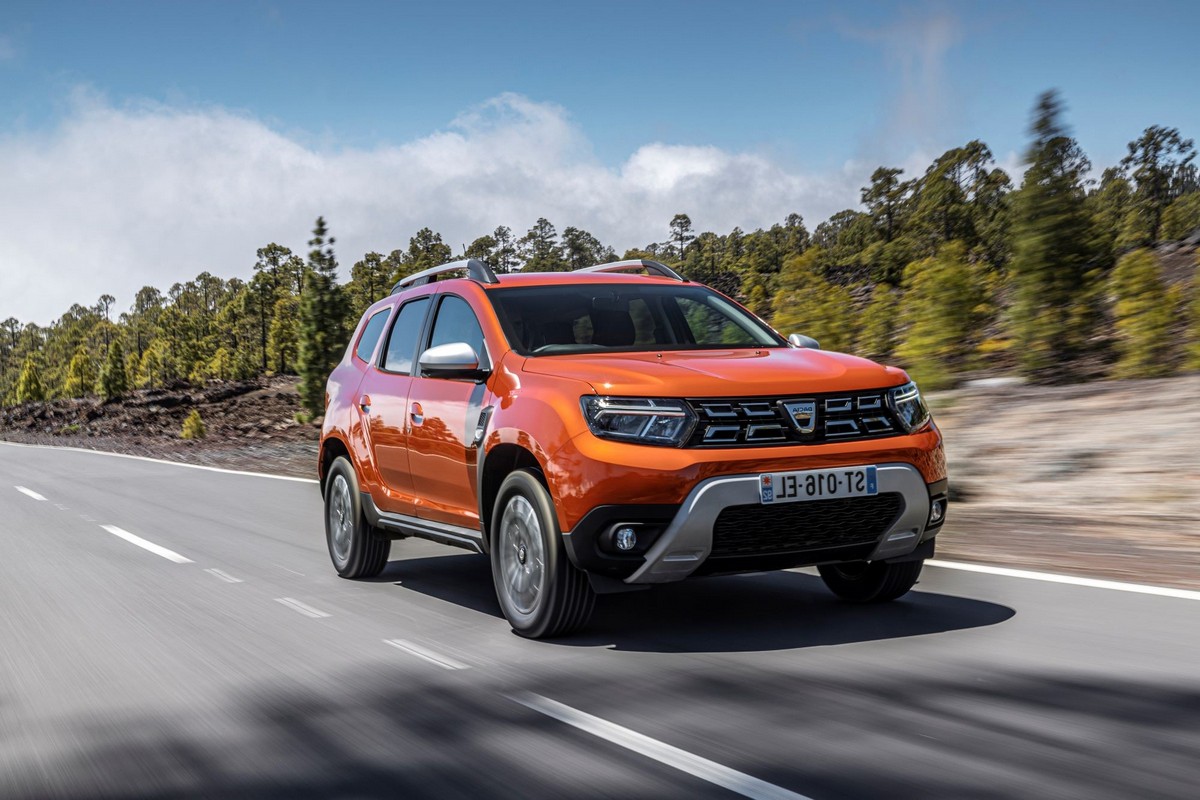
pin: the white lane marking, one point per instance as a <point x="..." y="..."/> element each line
<point x="420" y="652"/>
<point x="225" y="576"/>
<point x="1073" y="580"/>
<point x="29" y="493"/>
<point x="164" y="461"/>
<point x="158" y="550"/>
<point x="682" y="760"/>
<point x="285" y="569"/>
<point x="303" y="608"/>
<point x="61" y="507"/>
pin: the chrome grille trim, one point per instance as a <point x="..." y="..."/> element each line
<point x="764" y="421"/>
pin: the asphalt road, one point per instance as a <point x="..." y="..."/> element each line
<point x="201" y="645"/>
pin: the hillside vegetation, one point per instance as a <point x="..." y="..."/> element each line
<point x="954" y="271"/>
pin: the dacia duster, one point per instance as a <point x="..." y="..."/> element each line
<point x="615" y="427"/>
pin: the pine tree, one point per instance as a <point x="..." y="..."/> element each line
<point x="1192" y="352"/>
<point x="1050" y="263"/>
<point x="939" y="313"/>
<point x="322" y="321"/>
<point x="29" y="385"/>
<point x="1182" y="217"/>
<point x="681" y="234"/>
<point x="807" y="303"/>
<point x="1155" y="161"/>
<point x="112" y="376"/>
<point x="877" y="337"/>
<point x="1142" y="314"/>
<point x="539" y="248"/>
<point x="81" y="374"/>
<point x="283" y="340"/>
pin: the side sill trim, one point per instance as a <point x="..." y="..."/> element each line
<point x="405" y="525"/>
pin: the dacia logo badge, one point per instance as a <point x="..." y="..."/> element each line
<point x="803" y="414"/>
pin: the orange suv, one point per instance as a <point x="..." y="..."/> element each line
<point x="600" y="431"/>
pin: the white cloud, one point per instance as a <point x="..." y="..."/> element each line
<point x="8" y="48"/>
<point x="117" y="198"/>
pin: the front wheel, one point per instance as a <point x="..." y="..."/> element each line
<point x="541" y="593"/>
<point x="355" y="547"/>
<point x="870" y="582"/>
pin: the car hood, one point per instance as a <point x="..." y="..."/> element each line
<point x="719" y="373"/>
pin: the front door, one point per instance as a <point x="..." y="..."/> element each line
<point x="443" y="414"/>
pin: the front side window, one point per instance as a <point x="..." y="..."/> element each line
<point x="595" y="318"/>
<point x="402" y="342"/>
<point x="456" y="322"/>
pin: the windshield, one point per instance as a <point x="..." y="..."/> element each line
<point x="598" y="318"/>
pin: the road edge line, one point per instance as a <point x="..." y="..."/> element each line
<point x="1072" y="580"/>
<point x="162" y="461"/>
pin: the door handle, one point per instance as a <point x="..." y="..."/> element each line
<point x="364" y="403"/>
<point x="417" y="414"/>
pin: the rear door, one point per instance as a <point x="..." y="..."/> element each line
<point x="383" y="405"/>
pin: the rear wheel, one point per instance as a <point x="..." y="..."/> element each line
<point x="541" y="593"/>
<point x="870" y="582"/>
<point x="355" y="547"/>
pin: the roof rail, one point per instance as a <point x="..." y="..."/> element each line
<point x="476" y="271"/>
<point x="653" y="267"/>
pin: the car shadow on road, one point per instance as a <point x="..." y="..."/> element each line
<point x="742" y="613"/>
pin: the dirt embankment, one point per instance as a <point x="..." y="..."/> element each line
<point x="1099" y="479"/>
<point x="250" y="425"/>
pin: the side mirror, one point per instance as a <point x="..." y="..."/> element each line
<point x="800" y="340"/>
<point x="452" y="360"/>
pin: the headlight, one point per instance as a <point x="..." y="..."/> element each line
<point x="639" y="419"/>
<point x="909" y="407"/>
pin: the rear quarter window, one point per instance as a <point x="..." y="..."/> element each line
<point x="370" y="335"/>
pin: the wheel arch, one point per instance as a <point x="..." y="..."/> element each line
<point x="498" y="463"/>
<point x="331" y="448"/>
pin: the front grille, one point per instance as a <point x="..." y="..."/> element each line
<point x="759" y="530"/>
<point x="812" y="419"/>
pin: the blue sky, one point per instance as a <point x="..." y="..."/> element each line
<point x="178" y="118"/>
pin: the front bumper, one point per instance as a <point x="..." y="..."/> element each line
<point x="686" y="539"/>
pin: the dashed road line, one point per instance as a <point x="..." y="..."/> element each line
<point x="285" y="569"/>
<point x="303" y="608"/>
<point x="30" y="493"/>
<point x="1073" y="580"/>
<point x="225" y="576"/>
<point x="682" y="760"/>
<point x="445" y="662"/>
<point x="158" y="550"/>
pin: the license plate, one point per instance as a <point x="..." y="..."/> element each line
<point x="817" y="484"/>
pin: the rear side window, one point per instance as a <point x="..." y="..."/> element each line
<point x="456" y="322"/>
<point x="371" y="333"/>
<point x="402" y="343"/>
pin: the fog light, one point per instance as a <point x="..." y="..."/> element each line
<point x="937" y="510"/>
<point x="625" y="538"/>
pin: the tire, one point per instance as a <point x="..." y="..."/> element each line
<point x="541" y="593"/>
<point x="355" y="547"/>
<point x="876" y="582"/>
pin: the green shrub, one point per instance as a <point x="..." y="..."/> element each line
<point x="193" y="426"/>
